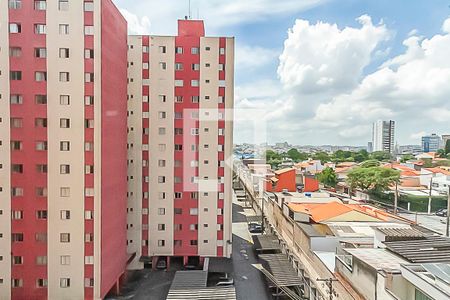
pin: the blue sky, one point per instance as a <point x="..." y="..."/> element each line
<point x="306" y="105"/>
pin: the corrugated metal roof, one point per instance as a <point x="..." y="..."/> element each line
<point x="281" y="269"/>
<point x="432" y="249"/>
<point x="190" y="285"/>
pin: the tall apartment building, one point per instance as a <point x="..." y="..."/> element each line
<point x="383" y="136"/>
<point x="180" y="100"/>
<point x="431" y="143"/>
<point x="63" y="87"/>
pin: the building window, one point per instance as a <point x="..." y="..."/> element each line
<point x="162" y="147"/>
<point x="88" y="53"/>
<point x="89" y="77"/>
<point x="41" y="214"/>
<point x="63" y="52"/>
<point x="194" y="83"/>
<point x="17" y="237"/>
<point x="161" y="227"/>
<point x="89" y="169"/>
<point x="64" y="99"/>
<point x="15" y="99"/>
<point x="162" y="98"/>
<point x="64" y="282"/>
<point x="40" y="99"/>
<point x="88" y="6"/>
<point x="16" y="214"/>
<point x="16" y="122"/>
<point x="64" y="76"/>
<point x="195" y="99"/>
<point x="195" y="50"/>
<point x="40" y="122"/>
<point x="65" y="214"/>
<point x="161" y="179"/>
<point x="63" y="4"/>
<point x="178" y="147"/>
<point x="41" y="260"/>
<point x="193" y="211"/>
<point x="41" y="282"/>
<point x="15" y="51"/>
<point x="64" y="146"/>
<point x="222" y="51"/>
<point x="15" y="283"/>
<point x="89" y="282"/>
<point x="161" y="211"/>
<point x="16" y="145"/>
<point x="89" y="100"/>
<point x="15" y="75"/>
<point x="163" y="65"/>
<point x="40" y="5"/>
<point x="64" y="123"/>
<point x="162" y="195"/>
<point x="194" y="242"/>
<point x="193" y="227"/>
<point x="41" y="146"/>
<point x="161" y="163"/>
<point x="162" y="114"/>
<point x="178" y="131"/>
<point x="15" y="4"/>
<point x="177" y="211"/>
<point x="64" y="169"/>
<point x="64" y="237"/>
<point x="179" y="83"/>
<point x="40" y="29"/>
<point x="65" y="260"/>
<point x="178" y="99"/>
<point x="40" y="76"/>
<point x="64" y="192"/>
<point x="195" y="67"/>
<point x="177" y="243"/>
<point x="88" y="30"/>
<point x="178" y="67"/>
<point x="15" y="28"/>
<point x="63" y="29"/>
<point x="178" y="50"/>
<point x="161" y="243"/>
<point x="221" y="67"/>
<point x="162" y="49"/>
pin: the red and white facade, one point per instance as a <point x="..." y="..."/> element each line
<point x="180" y="127"/>
<point x="63" y="87"/>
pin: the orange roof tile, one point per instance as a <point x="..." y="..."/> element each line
<point x="285" y="170"/>
<point x="438" y="170"/>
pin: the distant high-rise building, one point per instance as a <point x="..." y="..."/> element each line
<point x="63" y="171"/>
<point x="431" y="143"/>
<point x="445" y="138"/>
<point x="370" y="147"/>
<point x="383" y="136"/>
<point x="180" y="136"/>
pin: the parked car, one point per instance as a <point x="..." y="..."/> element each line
<point x="161" y="264"/>
<point x="225" y="282"/>
<point x="255" y="228"/>
<point x="441" y="212"/>
<point x="190" y="267"/>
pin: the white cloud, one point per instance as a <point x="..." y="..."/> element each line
<point x="322" y="56"/>
<point x="417" y="135"/>
<point x="328" y="95"/>
<point x="216" y="13"/>
<point x="252" y="57"/>
<point x="136" y="25"/>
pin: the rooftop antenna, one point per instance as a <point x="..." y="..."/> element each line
<point x="190" y="10"/>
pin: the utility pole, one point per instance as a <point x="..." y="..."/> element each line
<point x="329" y="283"/>
<point x="396" y="198"/>
<point x="448" y="212"/>
<point x="429" y="195"/>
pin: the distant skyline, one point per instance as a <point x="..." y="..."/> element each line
<point x="325" y="70"/>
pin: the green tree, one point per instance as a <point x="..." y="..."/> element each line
<point x="370" y="163"/>
<point x="272" y="155"/>
<point x="381" y="155"/>
<point x="406" y="157"/>
<point x="297" y="156"/>
<point x="328" y="177"/>
<point x="441" y="153"/>
<point x="322" y="156"/>
<point x="372" y="178"/>
<point x="361" y="155"/>
<point x="447" y="147"/>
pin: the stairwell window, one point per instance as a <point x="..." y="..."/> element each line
<point x="88" y="30"/>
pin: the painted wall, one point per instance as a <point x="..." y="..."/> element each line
<point x="113" y="145"/>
